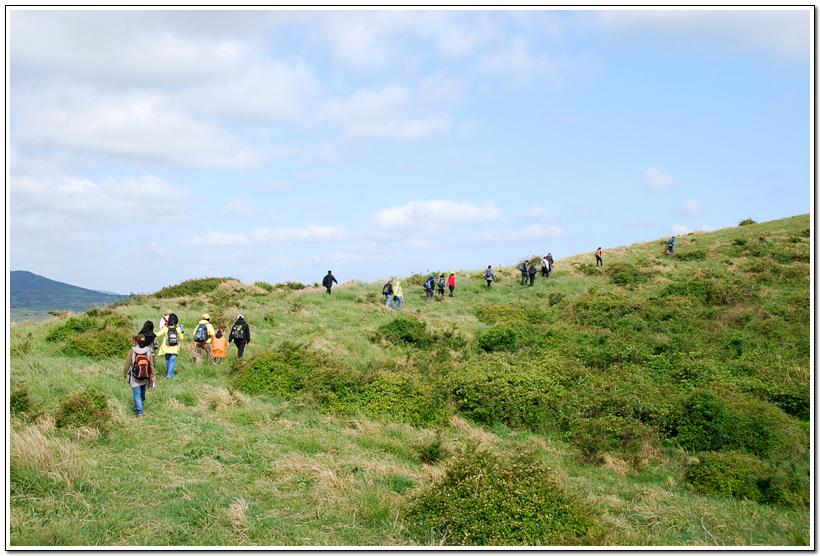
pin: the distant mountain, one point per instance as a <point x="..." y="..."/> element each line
<point x="31" y="293"/>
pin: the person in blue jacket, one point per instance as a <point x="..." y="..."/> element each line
<point x="430" y="287"/>
<point x="670" y="247"/>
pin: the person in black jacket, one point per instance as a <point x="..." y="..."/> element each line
<point x="240" y="335"/>
<point x="328" y="281"/>
<point x="532" y="271"/>
<point x="149" y="340"/>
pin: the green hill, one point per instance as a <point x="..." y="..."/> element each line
<point x="657" y="401"/>
<point x="32" y="296"/>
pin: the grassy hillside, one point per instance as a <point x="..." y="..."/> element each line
<point x="657" y="401"/>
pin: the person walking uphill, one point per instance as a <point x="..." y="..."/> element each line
<point x="598" y="260"/>
<point x="203" y="338"/>
<point x="139" y="372"/>
<point x="523" y="268"/>
<point x="442" y="281"/>
<point x="328" y="281"/>
<point x="398" y="295"/>
<point x="387" y="291"/>
<point x="171" y="339"/>
<point x="489" y="275"/>
<point x="429" y="287"/>
<point x="549" y="259"/>
<point x="532" y="271"/>
<point x="150" y="340"/>
<point x="670" y="247"/>
<point x="240" y="335"/>
<point x="220" y="347"/>
<point x="451" y="283"/>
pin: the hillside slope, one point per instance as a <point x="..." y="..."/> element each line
<point x="659" y="401"/>
<point x="29" y="292"/>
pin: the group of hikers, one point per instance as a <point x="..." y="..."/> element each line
<point x="212" y="343"/>
<point x="529" y="271"/>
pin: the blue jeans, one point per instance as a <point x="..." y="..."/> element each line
<point x="139" y="398"/>
<point x="170" y="361"/>
<point x="389" y="301"/>
<point x="398" y="301"/>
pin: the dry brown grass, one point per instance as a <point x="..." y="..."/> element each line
<point x="220" y="399"/>
<point x="34" y="448"/>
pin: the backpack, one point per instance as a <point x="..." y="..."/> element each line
<point x="237" y="332"/>
<point x="172" y="337"/>
<point x="201" y="334"/>
<point x="488" y="274"/>
<point x="532" y="270"/>
<point x="442" y="282"/>
<point x="521" y="268"/>
<point x="140" y="366"/>
<point x="387" y="289"/>
<point x="544" y="263"/>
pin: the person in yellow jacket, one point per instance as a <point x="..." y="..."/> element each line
<point x="220" y="346"/>
<point x="171" y="335"/>
<point x="204" y="345"/>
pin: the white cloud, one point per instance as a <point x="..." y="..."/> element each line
<point x="309" y="234"/>
<point x="540" y="214"/>
<point x="239" y="207"/>
<point x="690" y="207"/>
<point x="654" y="179"/>
<point x="516" y="66"/>
<point x="536" y="232"/>
<point x="680" y="229"/>
<point x="780" y="31"/>
<point x="428" y="217"/>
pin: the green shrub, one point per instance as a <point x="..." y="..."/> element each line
<point x="18" y="348"/>
<point x="763" y="429"/>
<point x="431" y="451"/>
<point x="265" y="286"/>
<point x="19" y="401"/>
<point x="588" y="269"/>
<point x="489" y="500"/>
<point x="515" y="313"/>
<point x="403" y="331"/>
<point x="746" y="222"/>
<point x="403" y="397"/>
<point x="93" y="320"/>
<point x="88" y="407"/>
<point x="604" y="309"/>
<point x="276" y="373"/>
<point x="691" y="255"/>
<point x="291" y="286"/>
<point x="556" y="298"/>
<point x="99" y="344"/>
<point x="788" y="483"/>
<point x="625" y="273"/>
<point x="502" y="337"/>
<point x="270" y="319"/>
<point x="729" y="473"/>
<point x="700" y="421"/>
<point x="740" y="241"/>
<point x="191" y="288"/>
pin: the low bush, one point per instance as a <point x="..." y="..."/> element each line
<point x="729" y="473"/>
<point x="265" y="286"/>
<point x="431" y="451"/>
<point x="763" y="429"/>
<point x="99" y="344"/>
<point x="740" y="241"/>
<point x="502" y="337"/>
<point x="691" y="256"/>
<point x="19" y="401"/>
<point x="489" y="500"/>
<point x="516" y="313"/>
<point x="746" y="222"/>
<point x="290" y="286"/>
<point x="700" y="421"/>
<point x="276" y="373"/>
<point x="88" y="407"/>
<point x="588" y="269"/>
<point x="191" y="288"/>
<point x="403" y="331"/>
<point x="603" y="309"/>
<point x="623" y="274"/>
<point x="93" y="320"/>
<point x="403" y="397"/>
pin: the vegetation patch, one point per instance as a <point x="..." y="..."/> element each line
<point x="729" y="473"/>
<point x="280" y="372"/>
<point x="486" y="499"/>
<point x="19" y="401"/>
<point x="88" y="407"/>
<point x="503" y="337"/>
<point x="93" y="320"/>
<point x="99" y="344"/>
<point x="403" y="397"/>
<point x="191" y="288"/>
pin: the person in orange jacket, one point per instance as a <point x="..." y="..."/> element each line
<point x="220" y="346"/>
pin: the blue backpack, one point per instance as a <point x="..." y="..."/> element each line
<point x="201" y="334"/>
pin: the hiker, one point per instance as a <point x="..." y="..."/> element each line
<point x="387" y="291"/>
<point x="442" y="281"/>
<point x="163" y="322"/>
<point x="220" y="347"/>
<point x="523" y="268"/>
<point x="489" y="275"/>
<point x="398" y="295"/>
<point x="429" y="285"/>
<point x="240" y="335"/>
<point x="451" y="283"/>
<point x="670" y="247"/>
<point x="549" y="259"/>
<point x="171" y="339"/>
<point x="545" y="267"/>
<point x="598" y="260"/>
<point x="150" y="340"/>
<point x="139" y="372"/>
<point x="328" y="281"/>
<point x="203" y="338"/>
<point x="532" y="271"/>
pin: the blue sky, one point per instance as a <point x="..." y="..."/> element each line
<point x="148" y="147"/>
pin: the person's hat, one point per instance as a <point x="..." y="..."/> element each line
<point x="219" y="331"/>
<point x="452" y="272"/>
<point x="239" y="317"/>
<point x="168" y="312"/>
<point x="206" y="316"/>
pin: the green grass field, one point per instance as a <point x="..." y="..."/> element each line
<point x="658" y="401"/>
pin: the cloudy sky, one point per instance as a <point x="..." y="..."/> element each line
<point x="151" y="147"/>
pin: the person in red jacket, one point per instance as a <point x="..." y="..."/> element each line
<point x="451" y="283"/>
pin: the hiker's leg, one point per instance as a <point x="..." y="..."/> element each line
<point x="170" y="363"/>
<point x="137" y="400"/>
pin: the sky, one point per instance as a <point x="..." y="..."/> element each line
<point x="149" y="147"/>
